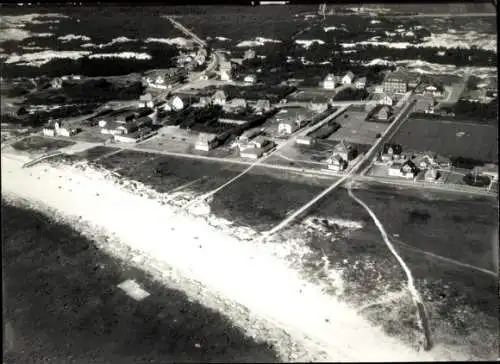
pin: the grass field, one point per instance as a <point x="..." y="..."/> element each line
<point x="40" y="144"/>
<point x="436" y="238"/>
<point x="453" y="139"/>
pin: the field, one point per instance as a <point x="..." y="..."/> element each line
<point x="452" y="139"/>
<point x="355" y="129"/>
<point x="315" y="95"/>
<point x="437" y="241"/>
<point x="40" y="144"/>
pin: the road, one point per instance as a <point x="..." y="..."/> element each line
<point x="63" y="305"/>
<point x="348" y="174"/>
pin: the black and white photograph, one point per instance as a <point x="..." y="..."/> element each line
<point x="251" y="183"/>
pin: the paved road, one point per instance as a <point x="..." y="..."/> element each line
<point x="62" y="305"/>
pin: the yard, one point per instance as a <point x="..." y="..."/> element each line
<point x="354" y="128"/>
<point x="451" y="139"/>
<point x="41" y="144"/>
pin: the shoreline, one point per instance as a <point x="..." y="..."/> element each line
<point x="297" y="307"/>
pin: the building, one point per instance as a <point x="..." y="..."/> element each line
<point x="329" y="82"/>
<point x="434" y="90"/>
<point x="250" y="79"/>
<point x="235" y="105"/>
<point x="288" y="126"/>
<point x="348" y="78"/>
<point x="260" y="142"/>
<point x="146" y="100"/>
<point x="262" y="105"/>
<point x="391" y="151"/>
<point x="225" y="70"/>
<point x="337" y="164"/>
<point x="406" y="169"/>
<point x="56" y="83"/>
<point x="490" y="170"/>
<point x="206" y="142"/>
<point x="384" y="113"/>
<point x="249" y="134"/>
<point x="360" y="83"/>
<point x="345" y="151"/>
<point x="66" y="132"/>
<point x="164" y="79"/>
<point x="305" y="140"/>
<point x="48" y="131"/>
<point x="318" y="107"/>
<point x="378" y="89"/>
<point x="249" y="54"/>
<point x="396" y="82"/>
<point x="432" y="175"/>
<point x="219" y="98"/>
<point x="383" y="99"/>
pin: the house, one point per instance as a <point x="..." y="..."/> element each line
<point x="235" y="105"/>
<point x="360" y="83"/>
<point x="48" y="131"/>
<point x="391" y="151"/>
<point x="176" y="103"/>
<point x="383" y="99"/>
<point x="251" y="153"/>
<point x="378" y="89"/>
<point x="434" y="90"/>
<point x="259" y="142"/>
<point x="406" y="169"/>
<point x="225" y="70"/>
<point x="206" y="142"/>
<point x="318" y="107"/>
<point x="66" y="132"/>
<point x="305" y="140"/>
<point x="336" y="163"/>
<point x="346" y="151"/>
<point x="204" y="77"/>
<point x="348" y="78"/>
<point x="146" y="100"/>
<point x="431" y="175"/>
<point x="219" y="98"/>
<point x="250" y="79"/>
<point x="396" y="82"/>
<point x="287" y="126"/>
<point x="384" y="113"/>
<point x="262" y="105"/>
<point x="249" y="134"/>
<point x="128" y="127"/>
<point x="329" y="82"/>
<point x="56" y="83"/>
<point x="249" y="54"/>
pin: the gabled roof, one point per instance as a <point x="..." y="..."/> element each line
<point x="220" y="94"/>
<point x="361" y="79"/>
<point x="342" y="147"/>
<point x="349" y="74"/>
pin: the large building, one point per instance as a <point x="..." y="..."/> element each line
<point x="329" y="82"/>
<point x="396" y="82"/>
<point x="225" y="70"/>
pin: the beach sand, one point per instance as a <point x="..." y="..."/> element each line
<point x="250" y="275"/>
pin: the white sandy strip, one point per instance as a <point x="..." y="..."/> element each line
<point x="247" y="274"/>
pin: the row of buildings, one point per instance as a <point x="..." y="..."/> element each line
<point x="331" y="81"/>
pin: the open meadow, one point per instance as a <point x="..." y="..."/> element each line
<point x="452" y="139"/>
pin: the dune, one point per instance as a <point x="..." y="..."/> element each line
<point x="253" y="275"/>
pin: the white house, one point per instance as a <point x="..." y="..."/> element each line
<point x="66" y="132"/>
<point x="262" y="105"/>
<point x="329" y="82"/>
<point x="383" y="99"/>
<point x="431" y="175"/>
<point x="259" y="142"/>
<point x="337" y="164"/>
<point x="249" y="54"/>
<point x="250" y="79"/>
<point x="225" y="70"/>
<point x="287" y="127"/>
<point x="49" y="131"/>
<point x="206" y="142"/>
<point x="56" y="83"/>
<point x="344" y="151"/>
<point x="378" y="89"/>
<point x="177" y="103"/>
<point x="219" y="98"/>
<point x="348" y="78"/>
<point x="146" y="100"/>
<point x="360" y="83"/>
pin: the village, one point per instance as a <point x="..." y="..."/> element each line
<point x="223" y="113"/>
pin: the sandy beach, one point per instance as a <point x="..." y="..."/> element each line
<point x="250" y="275"/>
